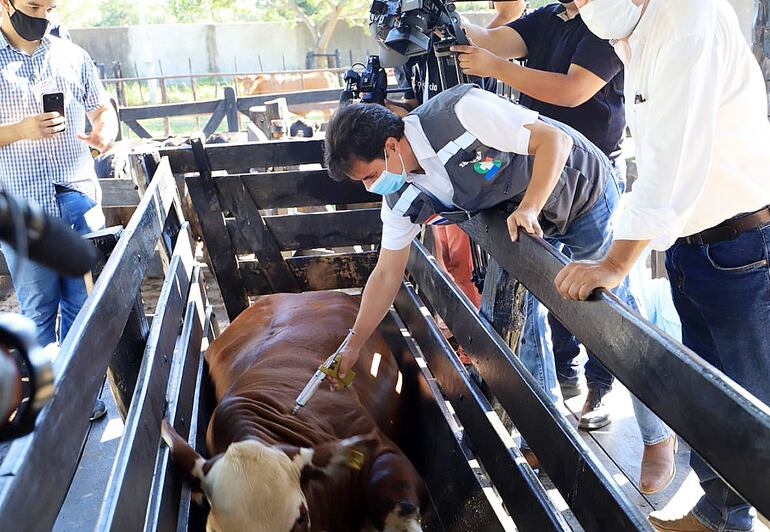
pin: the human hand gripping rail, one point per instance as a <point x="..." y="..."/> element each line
<point x="329" y="368"/>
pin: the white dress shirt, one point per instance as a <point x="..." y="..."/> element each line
<point x="696" y="104"/>
<point x="494" y="121"/>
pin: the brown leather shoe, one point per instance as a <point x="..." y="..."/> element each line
<point x="658" y="466"/>
<point x="687" y="523"/>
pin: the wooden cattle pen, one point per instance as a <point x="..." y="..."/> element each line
<point x="475" y="473"/>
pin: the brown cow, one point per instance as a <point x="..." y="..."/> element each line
<point x="270" y="471"/>
<point x="254" y="85"/>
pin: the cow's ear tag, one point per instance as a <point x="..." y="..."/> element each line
<point x="334" y="371"/>
<point x="356" y="460"/>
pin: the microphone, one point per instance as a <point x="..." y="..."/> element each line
<point x="46" y="239"/>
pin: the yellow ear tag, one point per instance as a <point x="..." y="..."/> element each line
<point x="356" y="460"/>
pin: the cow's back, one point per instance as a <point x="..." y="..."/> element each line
<point x="272" y="349"/>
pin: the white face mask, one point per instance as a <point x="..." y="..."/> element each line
<point x="611" y="19"/>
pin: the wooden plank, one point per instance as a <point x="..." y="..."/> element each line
<point x="119" y="193"/>
<point x="231" y="110"/>
<point x="204" y="107"/>
<point x="165" y="494"/>
<point x="565" y="457"/>
<point x="698" y="401"/>
<point x="125" y="361"/>
<point x="215" y="119"/>
<point x="146" y="112"/>
<point x="191" y="515"/>
<point x="81" y="506"/>
<point x="133" y="469"/>
<point x="259" y="240"/>
<point x="519" y="487"/>
<point x="319" y="272"/>
<point x="303" y="188"/>
<point x="315" y="230"/>
<point x="430" y="443"/>
<point x="218" y="245"/>
<point x="31" y="483"/>
<point x="240" y="158"/>
<point x="292" y="98"/>
<point x="137" y="128"/>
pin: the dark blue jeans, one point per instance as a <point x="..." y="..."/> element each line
<point x="565" y="352"/>
<point x="722" y="294"/>
<point x="42" y="293"/>
<point x="565" y="346"/>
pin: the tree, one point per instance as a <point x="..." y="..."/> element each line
<point x="320" y="17"/>
<point x="210" y="10"/>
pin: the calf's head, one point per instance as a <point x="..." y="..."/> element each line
<point x="253" y="487"/>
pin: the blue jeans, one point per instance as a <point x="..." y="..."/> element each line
<point x="42" y="292"/>
<point x="587" y="238"/>
<point x="566" y="348"/>
<point x="722" y="294"/>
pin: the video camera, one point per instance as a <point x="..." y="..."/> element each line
<point x="405" y="27"/>
<point x="369" y="86"/>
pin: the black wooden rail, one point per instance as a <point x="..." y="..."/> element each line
<point x="227" y="107"/>
<point x="37" y="472"/>
<point x="725" y="424"/>
<point x="717" y="418"/>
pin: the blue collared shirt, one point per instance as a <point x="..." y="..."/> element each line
<point x="30" y="168"/>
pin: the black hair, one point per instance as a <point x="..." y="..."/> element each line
<point x="357" y="132"/>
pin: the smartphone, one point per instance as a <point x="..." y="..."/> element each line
<point x="54" y="102"/>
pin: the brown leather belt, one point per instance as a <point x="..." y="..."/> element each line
<point x="728" y="229"/>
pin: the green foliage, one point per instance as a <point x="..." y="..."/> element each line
<point x="101" y="13"/>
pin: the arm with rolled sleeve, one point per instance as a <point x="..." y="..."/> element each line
<point x="505" y="126"/>
<point x="675" y="139"/>
<point x="101" y="114"/>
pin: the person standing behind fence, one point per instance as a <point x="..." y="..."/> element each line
<point x="697" y="108"/>
<point x="44" y="157"/>
<point x="452" y="246"/>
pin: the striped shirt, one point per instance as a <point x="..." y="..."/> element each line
<point x="30" y="168"/>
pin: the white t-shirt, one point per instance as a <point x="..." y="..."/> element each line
<point x="696" y="104"/>
<point x="494" y="121"/>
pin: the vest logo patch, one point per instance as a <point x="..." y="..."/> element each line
<point x="488" y="167"/>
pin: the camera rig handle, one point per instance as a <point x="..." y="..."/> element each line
<point x="453" y="33"/>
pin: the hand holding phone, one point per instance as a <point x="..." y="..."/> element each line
<point x="43" y="126"/>
<point x="54" y="103"/>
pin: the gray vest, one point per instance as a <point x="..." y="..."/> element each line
<point x="483" y="177"/>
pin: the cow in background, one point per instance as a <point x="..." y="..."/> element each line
<point x="256" y="84"/>
<point x="270" y="471"/>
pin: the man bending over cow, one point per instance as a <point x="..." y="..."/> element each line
<point x="463" y="151"/>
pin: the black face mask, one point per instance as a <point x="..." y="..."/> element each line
<point x="28" y="28"/>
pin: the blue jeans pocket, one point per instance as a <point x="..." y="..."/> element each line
<point x="745" y="253"/>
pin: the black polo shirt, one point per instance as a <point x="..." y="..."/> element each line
<point x="554" y="44"/>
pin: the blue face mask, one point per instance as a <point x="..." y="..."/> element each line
<point x="389" y="182"/>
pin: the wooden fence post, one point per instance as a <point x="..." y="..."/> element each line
<point x="123" y="369"/>
<point x="231" y="110"/>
